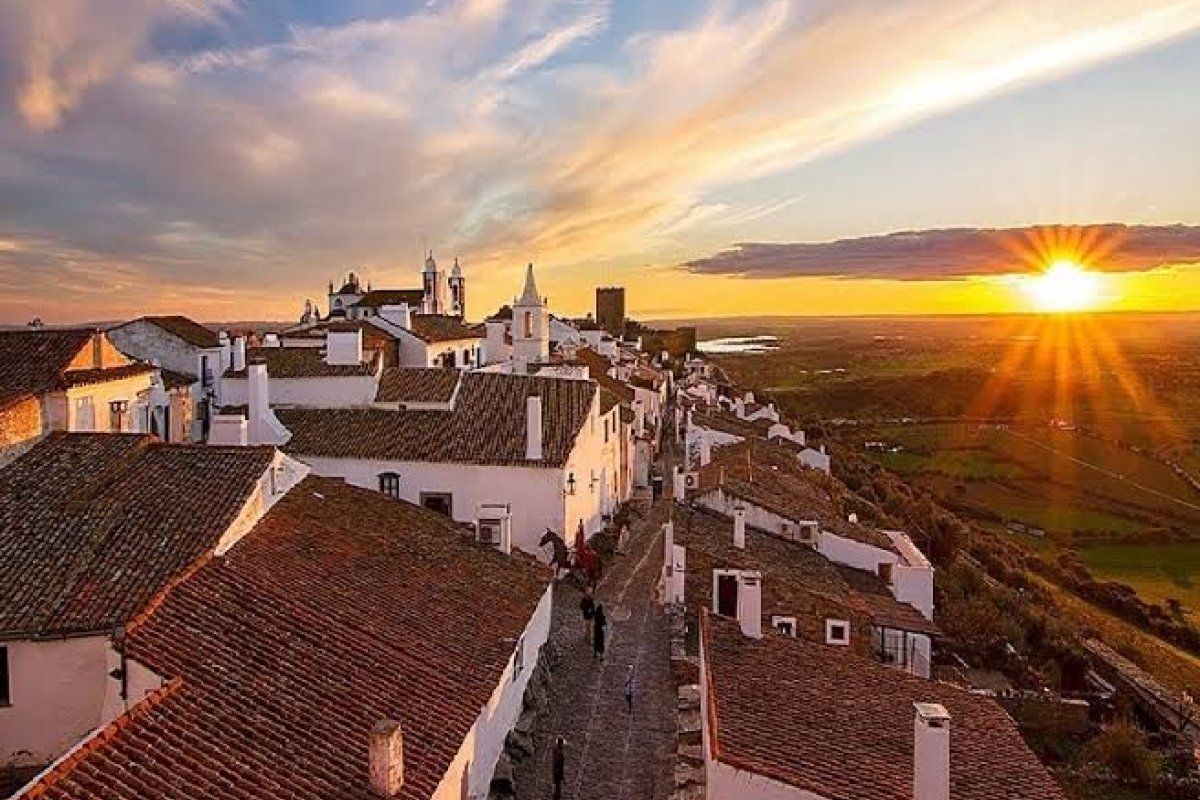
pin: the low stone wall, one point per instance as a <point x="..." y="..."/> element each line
<point x="689" y="747"/>
<point x="535" y="705"/>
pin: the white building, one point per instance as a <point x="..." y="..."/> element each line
<point x="784" y="718"/>
<point x="105" y="522"/>
<point x="440" y="294"/>
<point x="191" y="359"/>
<point x="345" y="644"/>
<point x="80" y="381"/>
<point x="548" y="449"/>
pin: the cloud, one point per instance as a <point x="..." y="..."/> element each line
<point x="505" y="130"/>
<point x="961" y="253"/>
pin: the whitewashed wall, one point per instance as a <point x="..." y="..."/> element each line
<point x="62" y="412"/>
<point x="57" y="688"/>
<point x="476" y="758"/>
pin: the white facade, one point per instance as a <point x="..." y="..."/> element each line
<point x="476" y="759"/>
<point x="339" y="392"/>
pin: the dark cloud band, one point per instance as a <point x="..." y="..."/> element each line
<point x="961" y="253"/>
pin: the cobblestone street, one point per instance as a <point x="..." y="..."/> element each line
<point x="610" y="752"/>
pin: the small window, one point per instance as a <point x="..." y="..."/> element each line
<point x="389" y="484"/>
<point x="885" y="572"/>
<point x="837" y="631"/>
<point x="528" y="324"/>
<point x="784" y="625"/>
<point x="519" y="657"/>
<point x="441" y="502"/>
<point x="85" y="414"/>
<point x="117" y="410"/>
<point x="5" y="693"/>
<point x="606" y="431"/>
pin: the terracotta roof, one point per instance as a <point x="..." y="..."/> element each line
<point x="85" y="377"/>
<point x="793" y="574"/>
<point x="731" y="424"/>
<point x="190" y="331"/>
<point x="92" y="525"/>
<point x="340" y="608"/>
<point x="441" y="328"/>
<point x="34" y="360"/>
<point x="392" y="297"/>
<point x="504" y="312"/>
<point x="176" y="380"/>
<point x="832" y="723"/>
<point x="769" y="476"/>
<point x="417" y="385"/>
<point x="486" y="425"/>
<point x="598" y="366"/>
<point x="305" y="362"/>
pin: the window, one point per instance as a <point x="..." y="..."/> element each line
<point x="466" y="360"/>
<point x="85" y="414"/>
<point x="727" y="595"/>
<point x="5" y="693"/>
<point x="606" y="431"/>
<point x="441" y="502"/>
<point x="116" y="414"/>
<point x="389" y="484"/>
<point x="784" y="625"/>
<point x="519" y="657"/>
<point x="206" y="374"/>
<point x="885" y="572"/>
<point x="837" y="631"/>
<point x="528" y="324"/>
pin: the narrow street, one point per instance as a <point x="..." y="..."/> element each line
<point x="611" y="754"/>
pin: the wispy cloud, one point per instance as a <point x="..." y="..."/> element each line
<point x="961" y="253"/>
<point x="505" y="129"/>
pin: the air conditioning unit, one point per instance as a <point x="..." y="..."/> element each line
<point x="808" y="535"/>
<point x="691" y="480"/>
<point x="488" y="531"/>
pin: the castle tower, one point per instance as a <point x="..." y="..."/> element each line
<point x="458" y="291"/>
<point x="433" y="281"/>
<point x="531" y="327"/>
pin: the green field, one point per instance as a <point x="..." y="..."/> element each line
<point x="1157" y="571"/>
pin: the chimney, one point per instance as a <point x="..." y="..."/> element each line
<point x="739" y="526"/>
<point x="533" y="427"/>
<point x="705" y="451"/>
<point x="259" y="403"/>
<point x="678" y="485"/>
<point x="385" y="756"/>
<point x="931" y="752"/>
<point x="239" y="354"/>
<point x="749" y="608"/>
<point x="344" y="348"/>
<point x="271" y="340"/>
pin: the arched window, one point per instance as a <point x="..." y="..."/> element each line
<point x="389" y="484"/>
<point x="528" y="324"/>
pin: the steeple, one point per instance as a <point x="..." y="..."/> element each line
<point x="530" y="296"/>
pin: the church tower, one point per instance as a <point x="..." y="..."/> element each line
<point x="434" y="283"/>
<point x="531" y="327"/>
<point x="458" y="291"/>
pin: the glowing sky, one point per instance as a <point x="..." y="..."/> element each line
<point x="226" y="158"/>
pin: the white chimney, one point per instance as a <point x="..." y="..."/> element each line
<point x="705" y="450"/>
<point x="259" y="403"/>
<point x="344" y="348"/>
<point x="385" y="757"/>
<point x="931" y="752"/>
<point x="853" y="517"/>
<point x="271" y="340"/>
<point x="533" y="428"/>
<point x="239" y="354"/>
<point x="749" y="608"/>
<point x="739" y="527"/>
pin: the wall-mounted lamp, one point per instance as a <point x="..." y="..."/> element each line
<point x="570" y="483"/>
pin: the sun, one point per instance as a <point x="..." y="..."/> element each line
<point x="1064" y="286"/>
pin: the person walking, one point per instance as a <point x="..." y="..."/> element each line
<point x="599" y="627"/>
<point x="587" y="606"/>
<point x="560" y="764"/>
<point x="629" y="688"/>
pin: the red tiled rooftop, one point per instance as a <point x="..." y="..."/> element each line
<point x="306" y="362"/>
<point x="92" y="525"/>
<point x="340" y="608"/>
<point x="827" y="721"/>
<point x="417" y="385"/>
<point x="186" y="329"/>
<point x="441" y="328"/>
<point x="486" y="425"/>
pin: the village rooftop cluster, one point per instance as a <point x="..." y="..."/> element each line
<point x="323" y="561"/>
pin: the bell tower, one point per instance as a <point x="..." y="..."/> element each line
<point x="530" y="327"/>
<point x="458" y="291"/>
<point x="433" y="281"/>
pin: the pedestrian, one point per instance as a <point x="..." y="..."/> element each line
<point x="587" y="606"/>
<point x="629" y="686"/>
<point x="599" y="625"/>
<point x="560" y="764"/>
